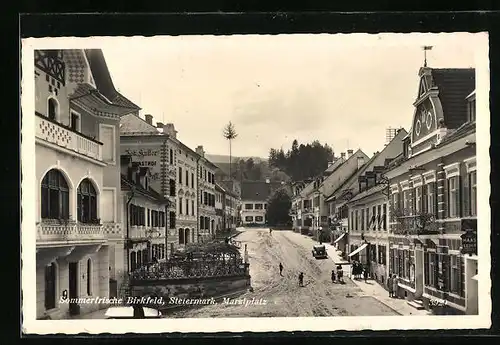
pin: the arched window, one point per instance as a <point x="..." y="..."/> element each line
<point x="52" y="108"/>
<point x="133" y="261"/>
<point x="89" y="277"/>
<point x="87" y="202"/>
<point x="50" y="286"/>
<point x="181" y="236"/>
<point x="186" y="235"/>
<point x="55" y="196"/>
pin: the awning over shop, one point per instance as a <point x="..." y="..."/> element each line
<point x="338" y="239"/>
<point x="358" y="250"/>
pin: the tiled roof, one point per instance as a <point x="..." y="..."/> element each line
<point x="466" y="129"/>
<point x="103" y="80"/>
<point x="454" y="85"/>
<point x="335" y="165"/>
<point x="89" y="96"/>
<point x="128" y="185"/>
<point x="257" y="190"/>
<point x="131" y="124"/>
<point x="368" y="192"/>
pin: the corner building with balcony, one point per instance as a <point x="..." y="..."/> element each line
<point x="77" y="171"/>
<point x="434" y="196"/>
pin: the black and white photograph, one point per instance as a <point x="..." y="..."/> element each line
<point x="294" y="182"/>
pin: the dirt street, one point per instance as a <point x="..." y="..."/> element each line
<point x="282" y="295"/>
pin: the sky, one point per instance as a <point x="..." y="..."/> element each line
<point x="343" y="90"/>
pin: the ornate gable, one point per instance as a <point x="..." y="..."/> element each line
<point x="428" y="113"/>
<point x="77" y="67"/>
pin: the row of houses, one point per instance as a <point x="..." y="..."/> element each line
<point x="411" y="209"/>
<point x="115" y="191"/>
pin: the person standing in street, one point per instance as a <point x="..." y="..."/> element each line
<point x="340" y="274"/>
<point x="333" y="276"/>
<point x="395" y="286"/>
<point x="365" y="273"/>
<point x="389" y="285"/>
<point x="281" y="269"/>
<point x="301" y="279"/>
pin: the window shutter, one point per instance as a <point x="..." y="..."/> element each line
<point x="466" y="196"/>
<point x="458" y="199"/>
<point x="426" y="268"/>
<point x="435" y="258"/>
<point x="423" y="198"/>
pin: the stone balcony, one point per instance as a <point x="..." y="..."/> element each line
<point x="49" y="131"/>
<point x="49" y="231"/>
<point x="145" y="232"/>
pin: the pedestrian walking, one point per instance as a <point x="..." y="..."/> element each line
<point x="389" y="286"/>
<point x="333" y="276"/>
<point x="395" y="286"/>
<point x="301" y="279"/>
<point x="365" y="274"/>
<point x="281" y="269"/>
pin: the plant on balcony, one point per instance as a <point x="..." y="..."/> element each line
<point x="407" y="223"/>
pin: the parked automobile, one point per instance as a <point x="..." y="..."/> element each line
<point x="319" y="251"/>
<point x="132" y="312"/>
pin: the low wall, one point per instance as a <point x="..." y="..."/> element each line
<point x="187" y="288"/>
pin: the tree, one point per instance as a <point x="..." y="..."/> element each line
<point x="302" y="161"/>
<point x="278" y="208"/>
<point x="230" y="134"/>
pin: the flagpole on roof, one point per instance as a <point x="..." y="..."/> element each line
<point x="426" y="48"/>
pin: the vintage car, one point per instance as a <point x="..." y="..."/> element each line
<point x="319" y="251"/>
<point x="132" y="312"/>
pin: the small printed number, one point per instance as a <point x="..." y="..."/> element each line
<point x="436" y="303"/>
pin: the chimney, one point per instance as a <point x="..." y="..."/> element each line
<point x="200" y="151"/>
<point x="349" y="153"/>
<point x="159" y="125"/>
<point x="149" y="118"/>
<point x="342" y="155"/>
<point x="361" y="161"/>
<point x="169" y="129"/>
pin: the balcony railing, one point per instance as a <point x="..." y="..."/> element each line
<point x="49" y="231"/>
<point x="420" y="224"/>
<point x="62" y="136"/>
<point x="145" y="232"/>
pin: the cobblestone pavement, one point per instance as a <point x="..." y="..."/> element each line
<point x="282" y="294"/>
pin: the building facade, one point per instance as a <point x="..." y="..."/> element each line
<point x="366" y="210"/>
<point x="145" y="217"/>
<point x="219" y="208"/>
<point x="254" y="198"/>
<point x="434" y="196"/>
<point x="207" y="199"/>
<point x="76" y="155"/>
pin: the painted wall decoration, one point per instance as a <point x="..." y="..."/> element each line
<point x="148" y="157"/>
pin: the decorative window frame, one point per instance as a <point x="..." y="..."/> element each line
<point x="405" y="185"/>
<point x="417" y="180"/>
<point x="470" y="164"/>
<point x="394" y="188"/>
<point x="58" y="107"/>
<point x="452" y="170"/>
<point x="113" y="130"/>
<point x="429" y="176"/>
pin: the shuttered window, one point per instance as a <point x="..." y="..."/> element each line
<point x="454" y="197"/>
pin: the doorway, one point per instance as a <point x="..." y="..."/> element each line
<point x="73" y="288"/>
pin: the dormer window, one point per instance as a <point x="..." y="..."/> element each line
<point x="52" y="109"/>
<point x="406" y="148"/>
<point x="472" y="110"/>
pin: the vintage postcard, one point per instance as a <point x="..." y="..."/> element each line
<point x="255" y="183"/>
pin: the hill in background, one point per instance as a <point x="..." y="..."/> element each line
<point x="251" y="169"/>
